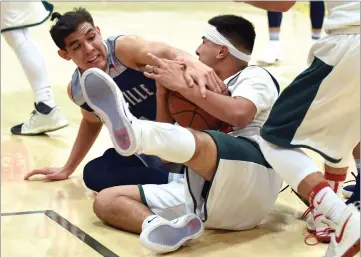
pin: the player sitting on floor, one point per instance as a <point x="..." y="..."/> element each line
<point x="228" y="183"/>
<point x="123" y="57"/>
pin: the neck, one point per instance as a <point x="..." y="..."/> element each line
<point x="226" y="70"/>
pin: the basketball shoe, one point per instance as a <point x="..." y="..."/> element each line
<point x="345" y="241"/>
<point x="43" y="119"/>
<point x="162" y="236"/>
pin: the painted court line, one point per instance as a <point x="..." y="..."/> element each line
<point x="80" y="234"/>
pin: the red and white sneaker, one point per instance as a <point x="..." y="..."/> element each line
<point x="316" y="226"/>
<point x="345" y="242"/>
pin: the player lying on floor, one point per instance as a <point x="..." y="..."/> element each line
<point x="228" y="184"/>
<point x="123" y="57"/>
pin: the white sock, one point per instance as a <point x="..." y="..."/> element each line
<point x="329" y="204"/>
<point x="316" y="35"/>
<point x="168" y="142"/>
<point x="33" y="64"/>
<point x="336" y="182"/>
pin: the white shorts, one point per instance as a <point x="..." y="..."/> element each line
<point x="320" y="109"/>
<point x="18" y="15"/>
<point x="240" y="195"/>
<point x="165" y="200"/>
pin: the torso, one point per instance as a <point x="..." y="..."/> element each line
<point x="138" y="90"/>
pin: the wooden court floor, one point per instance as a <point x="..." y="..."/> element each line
<point x="56" y="219"/>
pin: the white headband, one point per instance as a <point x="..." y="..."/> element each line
<point x="213" y="35"/>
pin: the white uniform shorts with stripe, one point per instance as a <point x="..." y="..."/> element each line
<point x="320" y="109"/>
<point x="18" y="15"/>
<point x="240" y="195"/>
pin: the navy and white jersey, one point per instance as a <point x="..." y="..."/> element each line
<point x="138" y="90"/>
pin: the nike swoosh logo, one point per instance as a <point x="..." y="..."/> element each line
<point x="319" y="202"/>
<point x="149" y="221"/>
<point x="318" y="215"/>
<point x="340" y="236"/>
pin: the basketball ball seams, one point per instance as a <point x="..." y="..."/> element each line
<point x="188" y="114"/>
<point x="194" y="114"/>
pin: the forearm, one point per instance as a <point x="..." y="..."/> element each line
<point x="222" y="107"/>
<point x="163" y="113"/>
<point x="87" y="134"/>
<point x="274" y="6"/>
<point x="165" y="51"/>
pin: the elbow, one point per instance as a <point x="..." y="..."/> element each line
<point x="286" y="6"/>
<point x="239" y="120"/>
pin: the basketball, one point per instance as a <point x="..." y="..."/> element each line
<point x="189" y="115"/>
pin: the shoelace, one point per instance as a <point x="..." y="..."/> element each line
<point x="328" y="230"/>
<point x="352" y="180"/>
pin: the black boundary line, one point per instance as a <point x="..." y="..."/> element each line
<point x="20" y="213"/>
<point x="70" y="227"/>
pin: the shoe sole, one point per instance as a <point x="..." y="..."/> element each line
<point x="40" y="133"/>
<point x="190" y="221"/>
<point x="105" y="98"/>
<point x="322" y="239"/>
<point x="353" y="250"/>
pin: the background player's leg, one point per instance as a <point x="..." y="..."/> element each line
<point x="35" y="69"/>
<point x="273" y="51"/>
<point x="317" y="14"/>
<point x="303" y="176"/>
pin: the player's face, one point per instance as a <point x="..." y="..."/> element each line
<point x="207" y="52"/>
<point x="85" y="47"/>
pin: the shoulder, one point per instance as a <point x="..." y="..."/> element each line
<point x="258" y="75"/>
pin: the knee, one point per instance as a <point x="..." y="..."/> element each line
<point x="89" y="177"/>
<point x="102" y="203"/>
<point x="14" y="39"/>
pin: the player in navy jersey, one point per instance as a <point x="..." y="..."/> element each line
<point x="123" y="57"/>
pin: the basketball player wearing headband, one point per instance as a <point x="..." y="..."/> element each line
<point x="220" y="165"/>
<point x="123" y="58"/>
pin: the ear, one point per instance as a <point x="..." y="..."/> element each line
<point x="223" y="52"/>
<point x="64" y="55"/>
<point x="98" y="30"/>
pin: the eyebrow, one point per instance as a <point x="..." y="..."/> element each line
<point x="76" y="41"/>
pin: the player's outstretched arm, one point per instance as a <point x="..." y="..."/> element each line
<point x="89" y="130"/>
<point x="133" y="51"/>
<point x="238" y="111"/>
<point x="274" y="6"/>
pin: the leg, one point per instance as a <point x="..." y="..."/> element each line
<point x="273" y="51"/>
<point x="130" y="135"/>
<point x="49" y="117"/>
<point x="313" y="125"/>
<point x="274" y="24"/>
<point x="33" y="64"/>
<point x="317" y="14"/>
<point x="112" y="169"/>
<point x="121" y="207"/>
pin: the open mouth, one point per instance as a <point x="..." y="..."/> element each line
<point x="94" y="59"/>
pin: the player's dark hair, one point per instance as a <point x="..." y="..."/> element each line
<point x="68" y="23"/>
<point x="239" y="31"/>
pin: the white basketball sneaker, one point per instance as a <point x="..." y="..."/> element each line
<point x="103" y="95"/>
<point x="39" y="123"/>
<point x="272" y="54"/>
<point x="345" y="242"/>
<point x="162" y="236"/>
